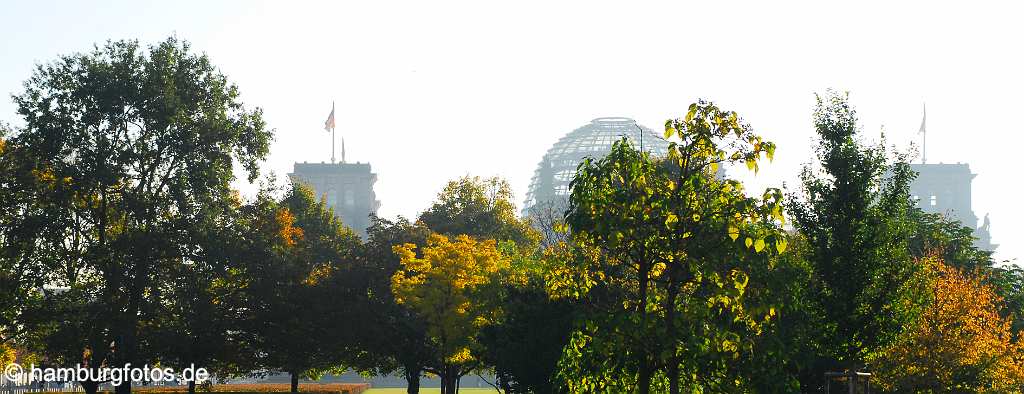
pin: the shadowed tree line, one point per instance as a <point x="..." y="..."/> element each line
<point x="122" y="241"/>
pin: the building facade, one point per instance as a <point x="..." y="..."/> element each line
<point x="946" y="189"/>
<point x="346" y="187"/>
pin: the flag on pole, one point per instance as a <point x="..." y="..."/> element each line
<point x="924" y="117"/>
<point x="924" y="134"/>
<point x="329" y="124"/>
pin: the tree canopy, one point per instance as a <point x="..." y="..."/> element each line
<point x="960" y="343"/>
<point x="132" y="152"/>
<point x="122" y="242"/>
<point x="440" y="287"/>
<point x="663" y="251"/>
<point x="854" y="210"/>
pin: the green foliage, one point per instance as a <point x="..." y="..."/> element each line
<point x="18" y="275"/>
<point x="297" y="284"/>
<point x="130" y="153"/>
<point x="855" y="213"/>
<point x="939" y="236"/>
<point x="394" y="337"/>
<point x="121" y="241"/>
<point x="658" y="261"/>
<point x="525" y="342"/>
<point x="787" y="356"/>
<point x="481" y="208"/>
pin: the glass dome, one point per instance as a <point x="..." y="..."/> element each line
<point x="550" y="183"/>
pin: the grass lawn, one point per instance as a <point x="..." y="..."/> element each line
<point x="434" y="390"/>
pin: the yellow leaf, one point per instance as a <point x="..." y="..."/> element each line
<point x="748" y="242"/>
<point x="734" y="232"/>
<point x="759" y="245"/>
<point x="780" y="245"/>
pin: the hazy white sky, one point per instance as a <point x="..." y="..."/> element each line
<point x="429" y="91"/>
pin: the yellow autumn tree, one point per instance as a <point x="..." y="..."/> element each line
<point x="959" y="344"/>
<point x="440" y="287"/>
<point x="7" y="354"/>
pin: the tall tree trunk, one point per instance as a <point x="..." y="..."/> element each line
<point x="295" y="382"/>
<point x="125" y="352"/>
<point x="412" y="380"/>
<point x="90" y="387"/>
<point x="644" y="372"/>
<point x="673" y="375"/>
<point x="644" y="381"/>
<point x="127" y="346"/>
<point x="450" y="385"/>
<point x="449" y="380"/>
<point x="672" y="369"/>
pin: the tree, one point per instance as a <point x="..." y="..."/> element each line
<point x="132" y="148"/>
<point x="440" y="287"/>
<point x="194" y="323"/>
<point x="787" y="356"/>
<point x="481" y="208"/>
<point x="548" y="219"/>
<point x="960" y="343"/>
<point x="660" y="260"/>
<point x="1008" y="282"/>
<point x="18" y="276"/>
<point x="295" y="296"/>
<point x="950" y="240"/>
<point x="525" y="341"/>
<point x="854" y="211"/>
<point x="393" y="337"/>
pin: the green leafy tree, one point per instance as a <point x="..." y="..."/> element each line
<point x="297" y="308"/>
<point x="1008" y="282"/>
<point x="132" y="148"/>
<point x="480" y="208"/>
<point x="937" y="235"/>
<point x="525" y="341"/>
<point x="787" y="356"/>
<point x="394" y="337"/>
<point x="18" y="276"/>
<point x="663" y="250"/>
<point x="855" y="213"/>
<point x="194" y="322"/>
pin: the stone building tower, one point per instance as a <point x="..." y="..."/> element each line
<point x="346" y="187"/>
<point x="946" y="189"/>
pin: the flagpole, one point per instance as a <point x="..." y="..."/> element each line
<point x="329" y="125"/>
<point x="331" y="122"/>
<point x="924" y="134"/>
